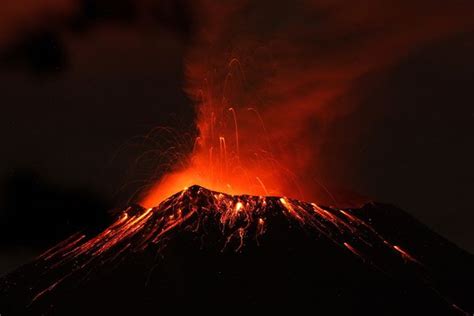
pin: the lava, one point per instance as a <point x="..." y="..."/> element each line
<point x="241" y="219"/>
<point x="235" y="222"/>
<point x="255" y="104"/>
<point x="273" y="94"/>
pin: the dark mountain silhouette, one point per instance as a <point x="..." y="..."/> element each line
<point x="203" y="251"/>
<point x="37" y="213"/>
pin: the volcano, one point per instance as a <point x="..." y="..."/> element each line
<point x="205" y="251"/>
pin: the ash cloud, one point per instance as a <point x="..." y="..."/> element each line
<point x="304" y="65"/>
<point x="33" y="34"/>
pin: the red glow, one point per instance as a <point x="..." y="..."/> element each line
<point x="242" y="219"/>
<point x="220" y="162"/>
<point x="271" y="91"/>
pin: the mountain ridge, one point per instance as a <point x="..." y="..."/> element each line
<point x="354" y="253"/>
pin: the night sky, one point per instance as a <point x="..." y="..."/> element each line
<point x="84" y="81"/>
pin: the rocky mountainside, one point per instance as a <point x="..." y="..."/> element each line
<point x="206" y="251"/>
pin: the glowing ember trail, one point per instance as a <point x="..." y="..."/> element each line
<point x="217" y="161"/>
<point x="221" y="159"/>
<point x="234" y="224"/>
<point x="241" y="219"/>
<point x="272" y="92"/>
<point x="248" y="173"/>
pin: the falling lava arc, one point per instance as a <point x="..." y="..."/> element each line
<point x="227" y="242"/>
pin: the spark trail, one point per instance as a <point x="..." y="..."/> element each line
<point x="241" y="219"/>
<point x="228" y="225"/>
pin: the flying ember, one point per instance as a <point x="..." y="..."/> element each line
<point x="242" y="219"/>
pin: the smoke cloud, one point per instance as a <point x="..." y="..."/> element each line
<point x="18" y="17"/>
<point x="272" y="79"/>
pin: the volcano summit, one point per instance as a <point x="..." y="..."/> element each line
<point x="201" y="250"/>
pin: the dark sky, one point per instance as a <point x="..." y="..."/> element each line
<point x="83" y="81"/>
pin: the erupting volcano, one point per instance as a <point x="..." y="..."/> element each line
<point x="206" y="250"/>
<point x="238" y="218"/>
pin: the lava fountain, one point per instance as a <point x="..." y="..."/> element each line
<point x="252" y="166"/>
<point x="219" y="160"/>
<point x="272" y="95"/>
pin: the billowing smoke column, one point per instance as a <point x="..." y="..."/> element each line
<point x="272" y="80"/>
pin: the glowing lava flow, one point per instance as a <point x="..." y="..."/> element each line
<point x="241" y="219"/>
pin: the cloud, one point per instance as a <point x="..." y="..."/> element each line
<point x="301" y="64"/>
<point x="26" y="16"/>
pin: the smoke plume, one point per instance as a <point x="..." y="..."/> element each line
<point x="271" y="79"/>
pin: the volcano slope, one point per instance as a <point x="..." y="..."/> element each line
<point x="205" y="251"/>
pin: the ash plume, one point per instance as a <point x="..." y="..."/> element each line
<point x="277" y="91"/>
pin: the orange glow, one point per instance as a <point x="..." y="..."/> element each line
<point x="405" y="254"/>
<point x="242" y="219"/>
<point x="220" y="162"/>
<point x="271" y="105"/>
<point x="352" y="249"/>
<point x="238" y="206"/>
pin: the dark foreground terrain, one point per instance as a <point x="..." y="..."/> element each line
<point x="202" y="251"/>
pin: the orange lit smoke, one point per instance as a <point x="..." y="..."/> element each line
<point x="271" y="81"/>
<point x="18" y="17"/>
